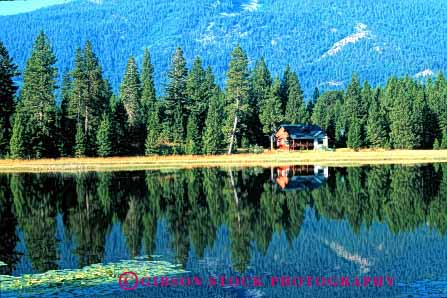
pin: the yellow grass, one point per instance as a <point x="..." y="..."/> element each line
<point x="342" y="157"/>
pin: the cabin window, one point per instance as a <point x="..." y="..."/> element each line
<point x="320" y="141"/>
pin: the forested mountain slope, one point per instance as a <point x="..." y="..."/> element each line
<point x="325" y="41"/>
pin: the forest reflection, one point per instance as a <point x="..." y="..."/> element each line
<point x="253" y="203"/>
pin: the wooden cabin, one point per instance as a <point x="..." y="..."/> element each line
<point x="305" y="177"/>
<point x="301" y="137"/>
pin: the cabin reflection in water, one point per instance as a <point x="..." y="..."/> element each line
<point x="302" y="177"/>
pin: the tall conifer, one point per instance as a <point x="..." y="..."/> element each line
<point x="354" y="134"/>
<point x="90" y="96"/>
<point x="119" y="127"/>
<point x="8" y="70"/>
<point x="212" y="135"/>
<point x="237" y="95"/>
<point x="355" y="111"/>
<point x="79" y="148"/>
<point x="66" y="126"/>
<point x="104" y="138"/>
<point x="193" y="140"/>
<point x="176" y="97"/>
<point x="130" y="96"/>
<point x="153" y="133"/>
<point x="295" y="111"/>
<point x="402" y="135"/>
<point x="38" y="104"/>
<point x="17" y="144"/>
<point x="178" y="131"/>
<point x="260" y="83"/>
<point x="148" y="94"/>
<point x="271" y="112"/>
<point x="376" y="130"/>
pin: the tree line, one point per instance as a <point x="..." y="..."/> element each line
<point x="196" y="116"/>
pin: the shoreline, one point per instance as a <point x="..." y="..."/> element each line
<point x="339" y="158"/>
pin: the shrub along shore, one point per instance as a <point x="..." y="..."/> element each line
<point x="341" y="157"/>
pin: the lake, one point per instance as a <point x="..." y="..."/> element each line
<point x="289" y="221"/>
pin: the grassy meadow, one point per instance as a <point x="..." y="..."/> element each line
<point x="341" y="157"/>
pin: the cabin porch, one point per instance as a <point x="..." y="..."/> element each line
<point x="301" y="144"/>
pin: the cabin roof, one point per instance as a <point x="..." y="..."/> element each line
<point x="304" y="131"/>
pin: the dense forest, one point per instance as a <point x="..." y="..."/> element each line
<point x="403" y="198"/>
<point x="325" y="41"/>
<point x="196" y="116"/>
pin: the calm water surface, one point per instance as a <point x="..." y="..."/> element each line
<point x="288" y="221"/>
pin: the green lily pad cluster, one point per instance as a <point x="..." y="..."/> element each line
<point x="96" y="278"/>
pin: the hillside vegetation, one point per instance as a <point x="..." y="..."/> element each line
<point x="196" y="116"/>
<point x="324" y="41"/>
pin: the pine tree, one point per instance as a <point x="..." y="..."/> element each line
<point x="324" y="114"/>
<point x="401" y="127"/>
<point x="436" y="145"/>
<point x="420" y="112"/>
<point x="437" y="101"/>
<point x="212" y="135"/>
<point x="237" y="94"/>
<point x="295" y="111"/>
<point x="431" y="128"/>
<point x="98" y="98"/>
<point x="260" y="82"/>
<point x="195" y="89"/>
<point x="354" y="134"/>
<point x="104" y="138"/>
<point x="311" y="104"/>
<point x="193" y="141"/>
<point x="38" y="102"/>
<point x="130" y="93"/>
<point x="176" y="96"/>
<point x="376" y="130"/>
<point x="119" y="127"/>
<point x="8" y="70"/>
<point x="90" y="95"/>
<point x="130" y="96"/>
<point x="17" y="144"/>
<point x="387" y="99"/>
<point x="148" y="94"/>
<point x="355" y="111"/>
<point x="178" y="131"/>
<point x="66" y="131"/>
<point x="285" y="87"/>
<point x="79" y="88"/>
<point x="153" y="133"/>
<point x="79" y="149"/>
<point x="271" y="112"/>
<point x="340" y="124"/>
<point x="367" y="99"/>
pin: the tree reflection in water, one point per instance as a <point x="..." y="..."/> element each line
<point x="253" y="204"/>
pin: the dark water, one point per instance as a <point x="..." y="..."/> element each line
<point x="290" y="221"/>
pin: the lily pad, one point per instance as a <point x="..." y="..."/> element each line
<point x="96" y="278"/>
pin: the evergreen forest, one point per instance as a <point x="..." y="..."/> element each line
<point x="84" y="116"/>
<point x="325" y="41"/>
